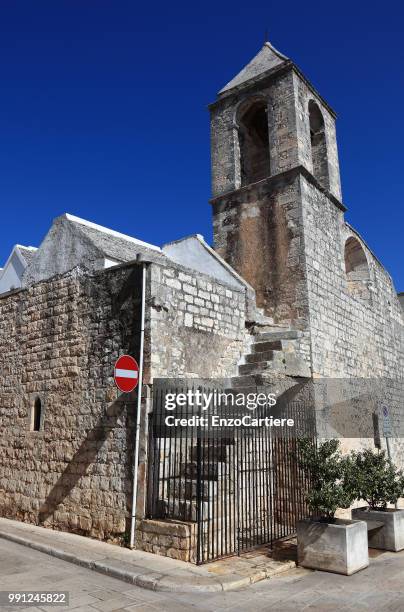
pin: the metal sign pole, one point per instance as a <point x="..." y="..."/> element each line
<point x="138" y="415"/>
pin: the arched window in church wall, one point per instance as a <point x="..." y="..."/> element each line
<point x="318" y="145"/>
<point x="253" y="142"/>
<point x="357" y="269"/>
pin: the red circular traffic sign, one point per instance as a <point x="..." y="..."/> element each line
<point x="126" y="373"/>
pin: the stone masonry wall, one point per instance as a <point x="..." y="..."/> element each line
<point x="303" y="95"/>
<point x="197" y="324"/>
<point x="258" y="230"/>
<point x="174" y="539"/>
<point x="287" y="95"/>
<point x="59" y="341"/>
<point x="278" y="92"/>
<point x="351" y="337"/>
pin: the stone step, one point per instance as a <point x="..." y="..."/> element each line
<point x="287" y="334"/>
<point x="296" y="366"/>
<point x="182" y="488"/>
<point x="265" y="377"/>
<point x="273" y="345"/>
<point x="285" y="364"/>
<point x="187" y="510"/>
<point x="216" y="516"/>
<point x="242" y="457"/>
<point x="213" y="453"/>
<point x="252" y="381"/>
<point x="209" y="489"/>
<point x="261" y="318"/>
<point x="269" y="327"/>
<point x="261" y="356"/>
<point x="208" y="471"/>
<point x="242" y="382"/>
<point x="255" y="368"/>
<point x="245" y="389"/>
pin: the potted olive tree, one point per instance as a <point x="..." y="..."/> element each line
<point x="323" y="541"/>
<point x="378" y="482"/>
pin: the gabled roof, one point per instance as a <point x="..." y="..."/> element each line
<point x="24" y="253"/>
<point x="12" y="273"/>
<point x="72" y="243"/>
<point x="110" y="243"/>
<point x="194" y="252"/>
<point x="265" y="60"/>
<point x="27" y="253"/>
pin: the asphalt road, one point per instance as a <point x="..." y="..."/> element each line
<point x="378" y="588"/>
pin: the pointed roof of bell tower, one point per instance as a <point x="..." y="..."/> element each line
<point x="265" y="60"/>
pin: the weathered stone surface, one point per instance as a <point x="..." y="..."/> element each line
<point x="200" y="330"/>
<point x="279" y="221"/>
<point x="285" y="233"/>
<point x="172" y="528"/>
<point x="168" y="538"/>
<point x="60" y="339"/>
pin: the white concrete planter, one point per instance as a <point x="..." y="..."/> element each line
<point x="388" y="536"/>
<point x="340" y="547"/>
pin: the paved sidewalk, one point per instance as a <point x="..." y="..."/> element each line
<point x="144" y="569"/>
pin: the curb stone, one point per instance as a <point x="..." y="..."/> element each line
<point x="177" y="581"/>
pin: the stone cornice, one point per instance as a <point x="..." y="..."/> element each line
<point x="282" y="176"/>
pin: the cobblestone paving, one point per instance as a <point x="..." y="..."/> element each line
<point x="378" y="588"/>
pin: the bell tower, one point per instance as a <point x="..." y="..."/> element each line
<point x="270" y="128"/>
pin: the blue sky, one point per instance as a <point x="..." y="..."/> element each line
<point x="103" y="109"/>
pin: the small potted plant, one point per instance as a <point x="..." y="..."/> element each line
<point x="323" y="541"/>
<point x="378" y="482"/>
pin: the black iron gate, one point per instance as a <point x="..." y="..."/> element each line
<point x="240" y="484"/>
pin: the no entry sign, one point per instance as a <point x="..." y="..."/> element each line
<point x="126" y="373"/>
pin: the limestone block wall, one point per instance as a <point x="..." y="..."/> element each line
<point x="59" y="340"/>
<point x="287" y="95"/>
<point x="282" y="123"/>
<point x="197" y="324"/>
<point x="279" y="94"/>
<point x="258" y="229"/>
<point x="177" y="540"/>
<point x="223" y="137"/>
<point x="303" y="95"/>
<point x="351" y="336"/>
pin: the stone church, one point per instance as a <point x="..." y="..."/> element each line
<point x="289" y="291"/>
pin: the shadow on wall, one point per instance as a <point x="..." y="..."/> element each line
<point x="93" y="494"/>
<point x="86" y="517"/>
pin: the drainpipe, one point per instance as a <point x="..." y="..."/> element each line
<point x="139" y="405"/>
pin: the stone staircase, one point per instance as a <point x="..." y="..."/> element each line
<point x="274" y="353"/>
<point x="226" y="474"/>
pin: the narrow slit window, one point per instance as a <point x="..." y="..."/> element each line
<point x="37" y="415"/>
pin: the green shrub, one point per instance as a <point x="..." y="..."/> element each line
<point x="329" y="475"/>
<point x="375" y="479"/>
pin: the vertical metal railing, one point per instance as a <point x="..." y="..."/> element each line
<point x="243" y="487"/>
